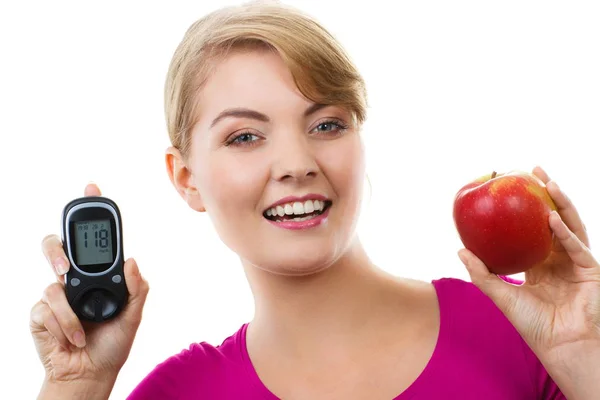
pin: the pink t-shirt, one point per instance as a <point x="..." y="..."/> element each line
<point x="479" y="355"/>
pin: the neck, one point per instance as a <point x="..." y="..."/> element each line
<point x="295" y="312"/>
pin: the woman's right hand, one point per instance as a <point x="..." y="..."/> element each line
<point x="74" y="351"/>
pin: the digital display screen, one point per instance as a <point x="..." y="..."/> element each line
<point x="93" y="242"/>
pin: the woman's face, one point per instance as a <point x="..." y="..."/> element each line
<point x="280" y="177"/>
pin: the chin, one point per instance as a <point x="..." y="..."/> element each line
<point x="298" y="263"/>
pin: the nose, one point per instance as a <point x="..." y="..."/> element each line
<point x="294" y="160"/>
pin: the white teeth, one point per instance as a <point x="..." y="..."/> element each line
<point x="309" y="206"/>
<point x="296" y="208"/>
<point x="303" y="218"/>
<point x="289" y="210"/>
<point x="319" y="205"/>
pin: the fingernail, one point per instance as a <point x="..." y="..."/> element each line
<point x="61" y="265"/>
<point x="79" y="339"/>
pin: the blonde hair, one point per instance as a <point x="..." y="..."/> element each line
<point x="321" y="69"/>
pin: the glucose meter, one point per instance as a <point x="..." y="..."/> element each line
<point x="92" y="237"/>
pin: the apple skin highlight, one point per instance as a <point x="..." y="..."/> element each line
<point x="503" y="220"/>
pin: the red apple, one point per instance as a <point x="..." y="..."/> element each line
<point x="503" y="220"/>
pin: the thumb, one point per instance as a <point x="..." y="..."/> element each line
<point x="138" y="289"/>
<point x="502" y="293"/>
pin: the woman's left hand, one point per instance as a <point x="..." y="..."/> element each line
<point x="557" y="309"/>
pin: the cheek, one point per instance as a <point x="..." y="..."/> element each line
<point x="229" y="186"/>
<point x="344" y="166"/>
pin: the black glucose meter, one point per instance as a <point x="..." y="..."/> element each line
<point x="92" y="237"/>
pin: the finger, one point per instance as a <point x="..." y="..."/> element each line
<point x="92" y="190"/>
<point x="55" y="297"/>
<point x="43" y="319"/>
<point x="138" y="289"/>
<point x="540" y="173"/>
<point x="577" y="250"/>
<point x="568" y="212"/>
<point x="52" y="246"/>
<point x="55" y="254"/>
<point x="502" y="293"/>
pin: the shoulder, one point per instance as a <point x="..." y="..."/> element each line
<point x="463" y="300"/>
<point x="201" y="368"/>
<point x="472" y="318"/>
<point x="477" y="329"/>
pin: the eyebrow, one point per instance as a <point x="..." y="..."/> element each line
<point x="241" y="112"/>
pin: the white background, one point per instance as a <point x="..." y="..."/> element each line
<point x="456" y="89"/>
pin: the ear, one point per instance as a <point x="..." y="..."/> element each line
<point x="182" y="179"/>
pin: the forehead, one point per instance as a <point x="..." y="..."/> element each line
<point x="257" y="79"/>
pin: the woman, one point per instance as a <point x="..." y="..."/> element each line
<point x="264" y="111"/>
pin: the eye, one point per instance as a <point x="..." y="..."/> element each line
<point x="243" y="139"/>
<point x="331" y="127"/>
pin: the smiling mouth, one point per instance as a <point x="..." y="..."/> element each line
<point x="297" y="211"/>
